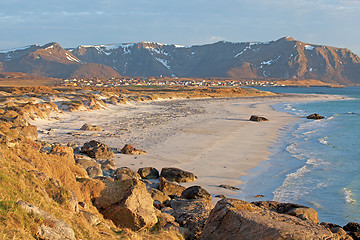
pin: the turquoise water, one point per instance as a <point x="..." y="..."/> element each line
<point x="315" y="163"/>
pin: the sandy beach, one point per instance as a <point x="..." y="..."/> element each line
<point x="213" y="138"/>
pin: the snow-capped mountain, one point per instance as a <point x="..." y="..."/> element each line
<point x="284" y="58"/>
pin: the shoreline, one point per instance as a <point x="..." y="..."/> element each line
<point x="212" y="138"/>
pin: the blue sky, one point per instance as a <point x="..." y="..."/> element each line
<point x="185" y="22"/>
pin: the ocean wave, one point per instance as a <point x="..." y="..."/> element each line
<point x="348" y="196"/>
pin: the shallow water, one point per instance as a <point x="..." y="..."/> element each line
<point x="315" y="163"/>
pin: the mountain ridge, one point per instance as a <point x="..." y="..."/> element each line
<point x="285" y="58"/>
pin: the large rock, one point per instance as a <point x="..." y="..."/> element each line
<point x="94" y="171"/>
<point x="128" y="149"/>
<point x="127" y="171"/>
<point x="148" y="173"/>
<point x="191" y="214"/>
<point x="300" y="211"/>
<point x="89" y="127"/>
<point x="258" y="119"/>
<point x="158" y="195"/>
<point x="128" y="204"/>
<point x="50" y="228"/>
<point x="97" y="150"/>
<point x="196" y="192"/>
<point x="177" y="175"/>
<point x="85" y="163"/>
<point x="170" y="188"/>
<point x="236" y="219"/>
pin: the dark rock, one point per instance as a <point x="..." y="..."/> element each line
<point x="97" y="150"/>
<point x="196" y="192"/>
<point x="352" y="227"/>
<point x="315" y="116"/>
<point x="177" y="175"/>
<point x="108" y="165"/>
<point x="128" y="149"/>
<point x="170" y="188"/>
<point x="229" y="187"/>
<point x="237" y="219"/>
<point x="258" y="119"/>
<point x="148" y="173"/>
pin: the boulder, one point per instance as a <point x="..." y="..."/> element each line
<point x="191" y="214"/>
<point x="121" y="177"/>
<point x="237" y="219"/>
<point x="196" y="192"/>
<point x="97" y="150"/>
<point x="128" y="204"/>
<point x="108" y="165"/>
<point x="86" y="163"/>
<point x="352" y="227"/>
<point x="170" y="188"/>
<point x="148" y="173"/>
<point x="177" y="175"/>
<point x="315" y="116"/>
<point x="128" y="149"/>
<point x="296" y="210"/>
<point x="94" y="171"/>
<point x="50" y="228"/>
<point x="127" y="171"/>
<point x="158" y="195"/>
<point x="258" y="119"/>
<point x="89" y="127"/>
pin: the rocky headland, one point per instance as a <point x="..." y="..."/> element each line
<point x="58" y="190"/>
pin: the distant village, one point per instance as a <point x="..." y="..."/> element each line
<point x="164" y="81"/>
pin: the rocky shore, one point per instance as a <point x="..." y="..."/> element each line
<point x="65" y="190"/>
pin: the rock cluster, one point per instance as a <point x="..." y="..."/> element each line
<point x="89" y="127"/>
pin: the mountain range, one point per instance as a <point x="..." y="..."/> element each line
<point x="285" y="58"/>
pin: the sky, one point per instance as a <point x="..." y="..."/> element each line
<point x="187" y="22"/>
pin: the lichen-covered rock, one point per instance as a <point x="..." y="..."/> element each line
<point x="158" y="195"/>
<point x="128" y="204"/>
<point x="237" y="219"/>
<point x="97" y="150"/>
<point x="170" y="188"/>
<point x="191" y="214"/>
<point x="50" y="228"/>
<point x="127" y="171"/>
<point x="177" y="175"/>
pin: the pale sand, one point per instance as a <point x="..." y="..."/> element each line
<point x="213" y="138"/>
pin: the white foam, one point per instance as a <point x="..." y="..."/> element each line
<point x="348" y="196"/>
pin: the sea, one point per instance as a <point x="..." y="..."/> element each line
<point x="315" y="163"/>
